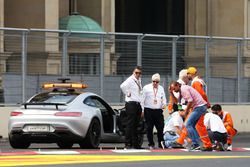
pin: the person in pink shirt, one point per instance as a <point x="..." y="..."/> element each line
<point x="198" y="106"/>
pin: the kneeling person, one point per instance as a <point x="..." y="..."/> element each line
<point x="172" y="129"/>
<point x="216" y="130"/>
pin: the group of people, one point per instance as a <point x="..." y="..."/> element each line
<point x="189" y="123"/>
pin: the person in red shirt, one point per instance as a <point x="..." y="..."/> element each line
<point x="228" y="123"/>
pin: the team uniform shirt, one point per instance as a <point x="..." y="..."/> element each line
<point x="132" y="88"/>
<point x="175" y="120"/>
<point x="214" y="123"/>
<point x="154" y="98"/>
<point x="227" y="119"/>
<point x="199" y="85"/>
<point x="191" y="95"/>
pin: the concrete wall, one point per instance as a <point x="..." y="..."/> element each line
<point x="240" y="114"/>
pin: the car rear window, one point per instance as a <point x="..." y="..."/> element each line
<point x="54" y="97"/>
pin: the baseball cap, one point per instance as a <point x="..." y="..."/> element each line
<point x="192" y="70"/>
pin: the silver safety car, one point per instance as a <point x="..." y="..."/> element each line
<point x="65" y="115"/>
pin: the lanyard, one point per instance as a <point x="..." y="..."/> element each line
<point x="139" y="86"/>
<point x="155" y="91"/>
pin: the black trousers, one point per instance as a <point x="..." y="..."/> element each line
<point x="154" y="117"/>
<point x="217" y="136"/>
<point x="133" y="116"/>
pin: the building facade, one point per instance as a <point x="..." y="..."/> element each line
<point x="227" y="18"/>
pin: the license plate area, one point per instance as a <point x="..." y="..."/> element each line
<point x="37" y="128"/>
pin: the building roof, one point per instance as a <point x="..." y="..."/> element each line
<point x="77" y="22"/>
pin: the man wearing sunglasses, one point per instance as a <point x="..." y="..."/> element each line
<point x="132" y="89"/>
<point x="154" y="100"/>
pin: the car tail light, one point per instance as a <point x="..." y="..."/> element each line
<point x="15" y="113"/>
<point x="68" y="114"/>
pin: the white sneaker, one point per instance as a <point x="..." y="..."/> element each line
<point x="230" y="147"/>
<point x="162" y="145"/>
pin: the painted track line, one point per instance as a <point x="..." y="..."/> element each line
<point x="116" y="151"/>
<point x="26" y="160"/>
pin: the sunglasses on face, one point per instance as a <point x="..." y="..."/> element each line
<point x="156" y="81"/>
<point x="137" y="72"/>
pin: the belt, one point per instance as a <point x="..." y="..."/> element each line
<point x="153" y="108"/>
<point x="172" y="133"/>
<point x="133" y="102"/>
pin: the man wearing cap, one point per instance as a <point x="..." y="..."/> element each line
<point x="132" y="88"/>
<point x="199" y="85"/>
<point x="154" y="101"/>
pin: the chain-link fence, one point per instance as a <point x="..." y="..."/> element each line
<point x="30" y="57"/>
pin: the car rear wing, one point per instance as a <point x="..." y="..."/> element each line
<point x="36" y="104"/>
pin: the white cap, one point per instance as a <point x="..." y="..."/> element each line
<point x="156" y="77"/>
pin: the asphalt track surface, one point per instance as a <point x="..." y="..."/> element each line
<point x="109" y="155"/>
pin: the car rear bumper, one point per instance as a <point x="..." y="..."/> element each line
<point x="45" y="137"/>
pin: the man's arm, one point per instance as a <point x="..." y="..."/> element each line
<point x="178" y="130"/>
<point x="174" y="99"/>
<point x="189" y="106"/>
<point x="124" y="87"/>
<point x="228" y="120"/>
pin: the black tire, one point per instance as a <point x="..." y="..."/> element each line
<point x="18" y="143"/>
<point x="93" y="137"/>
<point x="64" y="145"/>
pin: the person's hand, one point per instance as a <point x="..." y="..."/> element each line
<point x="170" y="90"/>
<point x="208" y="105"/>
<point x="189" y="140"/>
<point x="128" y="94"/>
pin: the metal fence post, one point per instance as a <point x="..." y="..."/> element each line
<point x="174" y="58"/>
<point x="207" y="74"/>
<point x="238" y="70"/>
<point x="139" y="50"/>
<point x="64" y="67"/>
<point x="24" y="64"/>
<point x="102" y="47"/>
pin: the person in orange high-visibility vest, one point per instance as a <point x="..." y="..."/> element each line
<point x="228" y="123"/>
<point x="199" y="85"/>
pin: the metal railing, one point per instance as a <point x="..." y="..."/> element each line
<point x="29" y="57"/>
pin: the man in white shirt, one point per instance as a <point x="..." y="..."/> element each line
<point x="216" y="130"/>
<point x="172" y="129"/>
<point x="154" y="100"/>
<point x="132" y="89"/>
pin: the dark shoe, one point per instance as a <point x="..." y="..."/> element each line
<point x="206" y="149"/>
<point x="177" y="145"/>
<point x="137" y="147"/>
<point x="195" y="147"/>
<point x="151" y="147"/>
<point x="220" y="147"/>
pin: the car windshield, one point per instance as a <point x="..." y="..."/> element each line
<point x="54" y="97"/>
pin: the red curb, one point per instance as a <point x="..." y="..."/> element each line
<point x="18" y="153"/>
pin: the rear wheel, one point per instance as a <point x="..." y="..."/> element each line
<point x="18" y="143"/>
<point x="65" y="145"/>
<point x="93" y="137"/>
